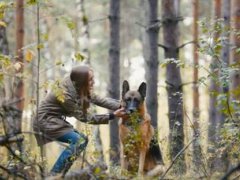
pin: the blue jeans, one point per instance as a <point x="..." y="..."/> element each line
<point x="77" y="143"/>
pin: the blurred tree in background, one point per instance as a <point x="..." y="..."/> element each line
<point x="192" y="75"/>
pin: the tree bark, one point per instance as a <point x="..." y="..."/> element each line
<point x="114" y="74"/>
<point x="151" y="61"/>
<point x="213" y="90"/>
<point x="150" y="52"/>
<point x="5" y="51"/>
<point x="223" y="161"/>
<point x="197" y="151"/>
<point x="19" y="93"/>
<point x="234" y="56"/>
<point x="82" y="17"/>
<point x="174" y="83"/>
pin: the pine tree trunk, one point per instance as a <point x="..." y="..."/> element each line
<point x="174" y="83"/>
<point x="82" y="20"/>
<point x="13" y="109"/>
<point x="19" y="93"/>
<point x="151" y="60"/>
<point x="223" y="161"/>
<point x="234" y="56"/>
<point x="4" y="50"/>
<point x="114" y="74"/>
<point x="197" y="151"/>
<point x="213" y="90"/>
<point x="150" y="52"/>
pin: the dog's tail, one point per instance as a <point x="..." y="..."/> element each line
<point x="155" y="151"/>
<point x="158" y="170"/>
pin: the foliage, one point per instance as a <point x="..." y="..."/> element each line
<point x="178" y="63"/>
<point x="8" y="68"/>
<point x="132" y="141"/>
<point x="56" y="88"/>
<point x="215" y="36"/>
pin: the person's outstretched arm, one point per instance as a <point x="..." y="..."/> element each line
<point x="73" y="109"/>
<point x="108" y="103"/>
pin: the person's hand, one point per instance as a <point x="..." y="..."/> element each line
<point x="120" y="112"/>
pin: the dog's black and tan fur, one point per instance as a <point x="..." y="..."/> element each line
<point x="136" y="153"/>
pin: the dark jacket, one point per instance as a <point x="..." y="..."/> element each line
<point x="50" y="122"/>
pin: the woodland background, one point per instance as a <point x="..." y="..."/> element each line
<point x="186" y="50"/>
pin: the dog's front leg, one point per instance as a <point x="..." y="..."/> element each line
<point x="122" y="158"/>
<point x="141" y="162"/>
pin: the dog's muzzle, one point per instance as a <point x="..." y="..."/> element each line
<point x="131" y="106"/>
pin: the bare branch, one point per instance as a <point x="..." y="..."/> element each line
<point x="163" y="46"/>
<point x="187" y="83"/>
<point x="99" y="19"/>
<point x="231" y="171"/>
<point x="190" y="42"/>
<point x="141" y="25"/>
<point x="177" y="156"/>
<point x="172" y="19"/>
<point x="14" y="173"/>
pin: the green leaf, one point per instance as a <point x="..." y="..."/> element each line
<point x="1" y="78"/>
<point x="45" y="36"/>
<point x="58" y="63"/>
<point x="85" y="19"/>
<point x="3" y="7"/>
<point x="238" y="50"/>
<point x="70" y="23"/>
<point x="31" y="2"/>
<point x="79" y="56"/>
<point x="97" y="170"/>
<point x="40" y="46"/>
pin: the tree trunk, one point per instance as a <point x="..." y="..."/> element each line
<point x="83" y="21"/>
<point x="151" y="60"/>
<point x="13" y="109"/>
<point x="223" y="161"/>
<point x="114" y="74"/>
<point x="213" y="90"/>
<point x="5" y="51"/>
<point x="197" y="151"/>
<point x="174" y="83"/>
<point x="225" y="54"/>
<point x="3" y="88"/>
<point x="150" y="52"/>
<point x="234" y="56"/>
<point x="19" y="92"/>
<point x="98" y="143"/>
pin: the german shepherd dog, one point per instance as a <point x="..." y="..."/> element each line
<point x="137" y="150"/>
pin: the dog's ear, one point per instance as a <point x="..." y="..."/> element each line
<point x="142" y="89"/>
<point x="125" y="88"/>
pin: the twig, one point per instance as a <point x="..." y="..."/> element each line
<point x="187" y="83"/>
<point x="228" y="109"/>
<point x="15" y="155"/>
<point x="83" y="158"/>
<point x="141" y="25"/>
<point x="176" y="157"/>
<point x="12" y="102"/>
<point x="190" y="42"/>
<point x="197" y="134"/>
<point x="163" y="46"/>
<point x="236" y="168"/>
<point x="12" y="173"/>
<point x="99" y="19"/>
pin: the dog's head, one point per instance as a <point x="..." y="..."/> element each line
<point x="133" y="100"/>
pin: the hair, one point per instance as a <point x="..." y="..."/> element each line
<point x="79" y="76"/>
